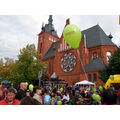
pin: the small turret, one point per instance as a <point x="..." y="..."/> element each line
<point x="43" y="28"/>
<point x="50" y="20"/>
<point x="110" y="36"/>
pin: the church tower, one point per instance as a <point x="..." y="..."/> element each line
<point x="47" y="36"/>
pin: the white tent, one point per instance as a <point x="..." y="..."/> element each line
<point x="84" y="82"/>
<point x="53" y="75"/>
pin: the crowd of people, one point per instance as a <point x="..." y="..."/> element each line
<point x="62" y="95"/>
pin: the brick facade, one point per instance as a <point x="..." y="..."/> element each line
<point x="86" y="54"/>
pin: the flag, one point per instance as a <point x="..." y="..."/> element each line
<point x="85" y="42"/>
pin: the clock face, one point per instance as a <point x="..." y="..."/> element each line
<point x="68" y="62"/>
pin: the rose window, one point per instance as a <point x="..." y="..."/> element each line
<point x="68" y="62"/>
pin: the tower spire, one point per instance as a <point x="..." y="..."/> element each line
<point x="50" y="20"/>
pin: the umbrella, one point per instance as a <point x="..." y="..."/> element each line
<point x="6" y="81"/>
<point x="85" y="82"/>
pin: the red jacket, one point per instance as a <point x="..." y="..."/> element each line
<point x="4" y="102"/>
<point x="118" y="94"/>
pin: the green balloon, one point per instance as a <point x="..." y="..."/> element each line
<point x="94" y="96"/>
<point x="26" y="83"/>
<point x="111" y="77"/>
<point x="59" y="102"/>
<point x="101" y="88"/>
<point x="98" y="98"/>
<point x="31" y="87"/>
<point x="61" y="89"/>
<point x="94" y="89"/>
<point x="72" y="35"/>
<point x="88" y="89"/>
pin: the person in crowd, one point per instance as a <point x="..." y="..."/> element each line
<point x="22" y="91"/>
<point x="73" y="91"/>
<point x="65" y="102"/>
<point x="118" y="97"/>
<point x="37" y="95"/>
<point x="53" y="100"/>
<point x="10" y="98"/>
<point x="28" y="100"/>
<point x="28" y="93"/>
<point x="45" y="98"/>
<point x="113" y="97"/>
<point x="2" y="92"/>
<point x="55" y="89"/>
<point x="66" y="96"/>
<point x="56" y="99"/>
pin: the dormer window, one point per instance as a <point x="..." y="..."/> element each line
<point x="95" y="55"/>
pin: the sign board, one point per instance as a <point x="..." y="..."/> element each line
<point x="0" y="78"/>
<point x="39" y="74"/>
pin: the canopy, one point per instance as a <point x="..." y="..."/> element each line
<point x="6" y="81"/>
<point x="53" y="75"/>
<point x="112" y="79"/>
<point x="85" y="82"/>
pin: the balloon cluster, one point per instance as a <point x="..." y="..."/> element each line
<point x="31" y="87"/>
<point x="96" y="97"/>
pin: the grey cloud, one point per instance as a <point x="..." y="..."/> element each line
<point x="18" y="31"/>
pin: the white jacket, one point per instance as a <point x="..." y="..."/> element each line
<point x="38" y="97"/>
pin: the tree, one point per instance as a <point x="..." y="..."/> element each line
<point x="1" y="61"/>
<point x="112" y="68"/>
<point x="27" y="66"/>
<point x="5" y="68"/>
<point x="8" y="61"/>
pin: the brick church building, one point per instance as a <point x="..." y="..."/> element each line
<point x="94" y="53"/>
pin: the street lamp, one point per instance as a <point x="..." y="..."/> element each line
<point x="39" y="76"/>
<point x="40" y="73"/>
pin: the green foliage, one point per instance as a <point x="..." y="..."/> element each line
<point x="5" y="71"/>
<point x="45" y="77"/>
<point x="112" y="68"/>
<point x="27" y="66"/>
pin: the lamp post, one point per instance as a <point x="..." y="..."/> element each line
<point x="39" y="77"/>
<point x="45" y="71"/>
<point x="40" y="73"/>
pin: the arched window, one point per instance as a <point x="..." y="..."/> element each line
<point x="95" y="77"/>
<point x="95" y="55"/>
<point x="89" y="77"/>
<point x="108" y="56"/>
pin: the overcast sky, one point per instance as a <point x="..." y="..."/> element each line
<point x="16" y="31"/>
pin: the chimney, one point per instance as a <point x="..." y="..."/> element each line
<point x="67" y="21"/>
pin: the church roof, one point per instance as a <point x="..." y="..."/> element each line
<point x="95" y="36"/>
<point x="49" y="27"/>
<point x="95" y="65"/>
<point x="51" y="51"/>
